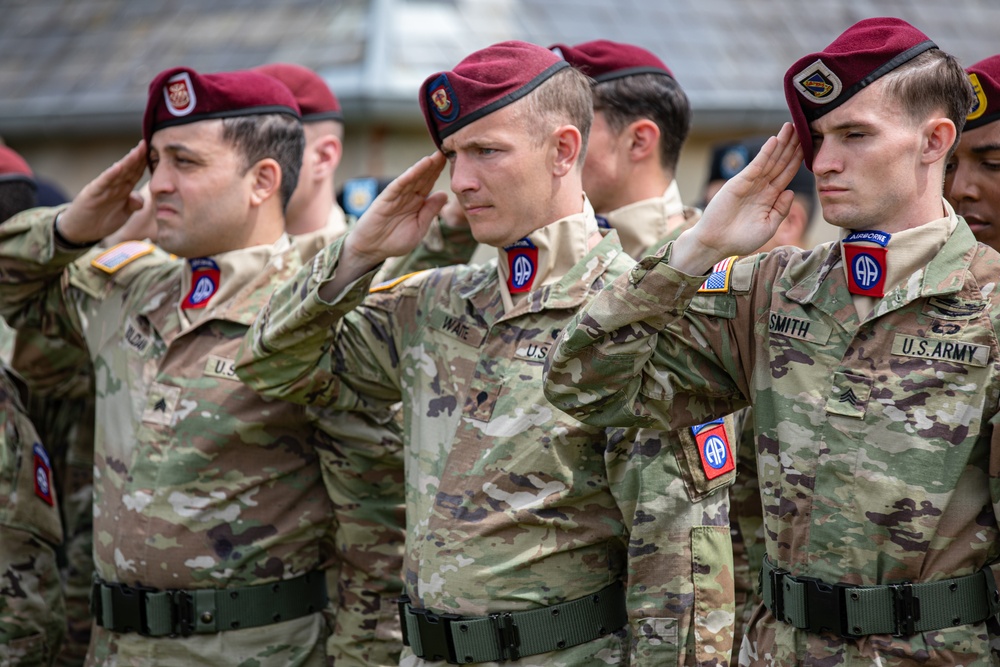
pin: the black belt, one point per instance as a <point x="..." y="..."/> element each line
<point x="899" y="609"/>
<point x="512" y="635"/>
<point x="172" y="613"/>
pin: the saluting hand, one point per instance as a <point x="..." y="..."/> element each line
<point x="746" y="212"/>
<point x="106" y="203"/>
<point x="398" y="219"/>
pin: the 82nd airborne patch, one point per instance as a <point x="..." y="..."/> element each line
<point x="43" y="474"/>
<point x="713" y="448"/>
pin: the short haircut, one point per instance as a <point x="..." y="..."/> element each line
<point x="654" y="96"/>
<point x="16" y="196"/>
<point x="564" y="97"/>
<point x="931" y="82"/>
<point x="276" y="136"/>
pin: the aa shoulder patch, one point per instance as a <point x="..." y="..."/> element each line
<point x="389" y="284"/>
<point x="718" y="279"/>
<point x="120" y="255"/>
<point x="43" y="474"/>
<point x="713" y="448"/>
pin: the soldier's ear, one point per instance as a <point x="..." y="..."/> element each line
<point x="566" y="145"/>
<point x="643" y="137"/>
<point x="939" y="135"/>
<point x="327" y="152"/>
<point x="265" y="181"/>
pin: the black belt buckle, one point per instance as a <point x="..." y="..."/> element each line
<point x="130" y="602"/>
<point x="776" y="576"/>
<point x="402" y="603"/>
<point x="826" y="610"/>
<point x="435" y="635"/>
<point x="508" y="636"/>
<point x="182" y="613"/>
<point x="906" y="609"/>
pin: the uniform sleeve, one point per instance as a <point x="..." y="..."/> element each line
<point x="362" y="465"/>
<point x="32" y="267"/>
<point x="639" y="355"/>
<point x="53" y="297"/>
<point x="680" y="573"/>
<point x="340" y="355"/>
<point x="32" y="612"/>
<point x="442" y="246"/>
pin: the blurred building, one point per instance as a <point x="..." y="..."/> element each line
<point x="74" y="73"/>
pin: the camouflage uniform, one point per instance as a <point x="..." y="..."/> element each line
<point x="837" y="400"/>
<point x="61" y="405"/>
<point x="510" y="506"/>
<point x="644" y="226"/>
<point x="32" y="615"/>
<point x="663" y="219"/>
<point x="200" y="483"/>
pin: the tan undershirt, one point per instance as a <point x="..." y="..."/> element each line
<point x="908" y="252"/>
<point x="560" y="246"/>
<point x="237" y="269"/>
<point x="643" y="224"/>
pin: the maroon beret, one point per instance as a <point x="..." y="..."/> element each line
<point x="316" y="100"/>
<point x="13" y="167"/>
<point x="604" y="60"/>
<point x="820" y="82"/>
<point x="485" y="81"/>
<point x="985" y="79"/>
<point x="180" y="95"/>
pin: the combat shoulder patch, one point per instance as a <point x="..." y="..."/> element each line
<point x="113" y="259"/>
<point x="718" y="279"/>
<point x="713" y="448"/>
<point x="389" y="284"/>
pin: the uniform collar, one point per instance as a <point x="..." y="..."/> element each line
<point x="943" y="274"/>
<point x="642" y="224"/>
<point x="238" y="269"/>
<point x="560" y="246"/>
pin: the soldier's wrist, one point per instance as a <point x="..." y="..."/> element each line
<point x="64" y="242"/>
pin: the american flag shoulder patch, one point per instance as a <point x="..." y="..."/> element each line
<point x="718" y="279"/>
<point x="118" y="256"/>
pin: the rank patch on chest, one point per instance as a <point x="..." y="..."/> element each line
<point x="161" y="403"/>
<point x="713" y="448"/>
<point x="220" y="367"/>
<point x="43" y="474"/>
<point x="849" y="395"/>
<point x="115" y="258"/>
<point x="718" y="279"/>
<point x="968" y="354"/>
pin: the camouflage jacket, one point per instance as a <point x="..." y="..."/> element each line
<point x="875" y="439"/>
<point x="199" y="481"/>
<point x="32" y="615"/>
<point x="645" y="226"/>
<point x="511" y="505"/>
